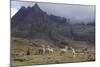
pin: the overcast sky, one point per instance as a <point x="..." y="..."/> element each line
<point x="75" y="12"/>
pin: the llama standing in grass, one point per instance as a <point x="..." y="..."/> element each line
<point x="73" y="52"/>
<point x="28" y="52"/>
<point x="41" y="50"/>
<point x="64" y="50"/>
<point x="49" y="50"/>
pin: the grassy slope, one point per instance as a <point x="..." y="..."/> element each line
<point x="20" y="44"/>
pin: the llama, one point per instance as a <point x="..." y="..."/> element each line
<point x="41" y="50"/>
<point x="73" y="52"/>
<point x="28" y="52"/>
<point x="45" y="50"/>
<point x="64" y="50"/>
<point x="49" y="50"/>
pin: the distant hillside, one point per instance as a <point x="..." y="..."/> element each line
<point x="33" y="23"/>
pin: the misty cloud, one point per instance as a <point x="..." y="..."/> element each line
<point x="83" y="13"/>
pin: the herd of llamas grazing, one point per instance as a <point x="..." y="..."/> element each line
<point x="54" y="54"/>
<point x="49" y="50"/>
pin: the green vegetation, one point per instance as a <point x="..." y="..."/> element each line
<point x="21" y="45"/>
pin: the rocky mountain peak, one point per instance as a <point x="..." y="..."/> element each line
<point x="36" y="5"/>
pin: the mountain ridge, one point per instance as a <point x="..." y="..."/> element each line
<point x="34" y="23"/>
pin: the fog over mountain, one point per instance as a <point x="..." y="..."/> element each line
<point x="77" y="13"/>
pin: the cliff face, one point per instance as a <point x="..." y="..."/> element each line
<point x="33" y="22"/>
